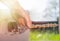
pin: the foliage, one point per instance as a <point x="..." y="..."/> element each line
<point x="36" y="35"/>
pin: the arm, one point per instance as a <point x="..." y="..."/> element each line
<point x="26" y="16"/>
<point x="16" y="8"/>
<point x="23" y="13"/>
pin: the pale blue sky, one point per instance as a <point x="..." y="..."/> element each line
<point x="36" y="9"/>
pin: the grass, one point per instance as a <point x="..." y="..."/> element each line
<point x="36" y="35"/>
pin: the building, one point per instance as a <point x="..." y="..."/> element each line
<point x="45" y="24"/>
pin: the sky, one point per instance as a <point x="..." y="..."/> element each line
<point x="36" y="9"/>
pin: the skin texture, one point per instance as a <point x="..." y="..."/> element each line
<point x="16" y="8"/>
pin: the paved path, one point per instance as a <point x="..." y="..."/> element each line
<point x="16" y="37"/>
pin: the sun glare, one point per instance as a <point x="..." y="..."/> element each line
<point x="4" y="11"/>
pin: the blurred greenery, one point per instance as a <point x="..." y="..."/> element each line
<point x="36" y="35"/>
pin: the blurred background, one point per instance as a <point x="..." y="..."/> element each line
<point x="44" y="15"/>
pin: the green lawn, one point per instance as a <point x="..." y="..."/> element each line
<point x="36" y="35"/>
